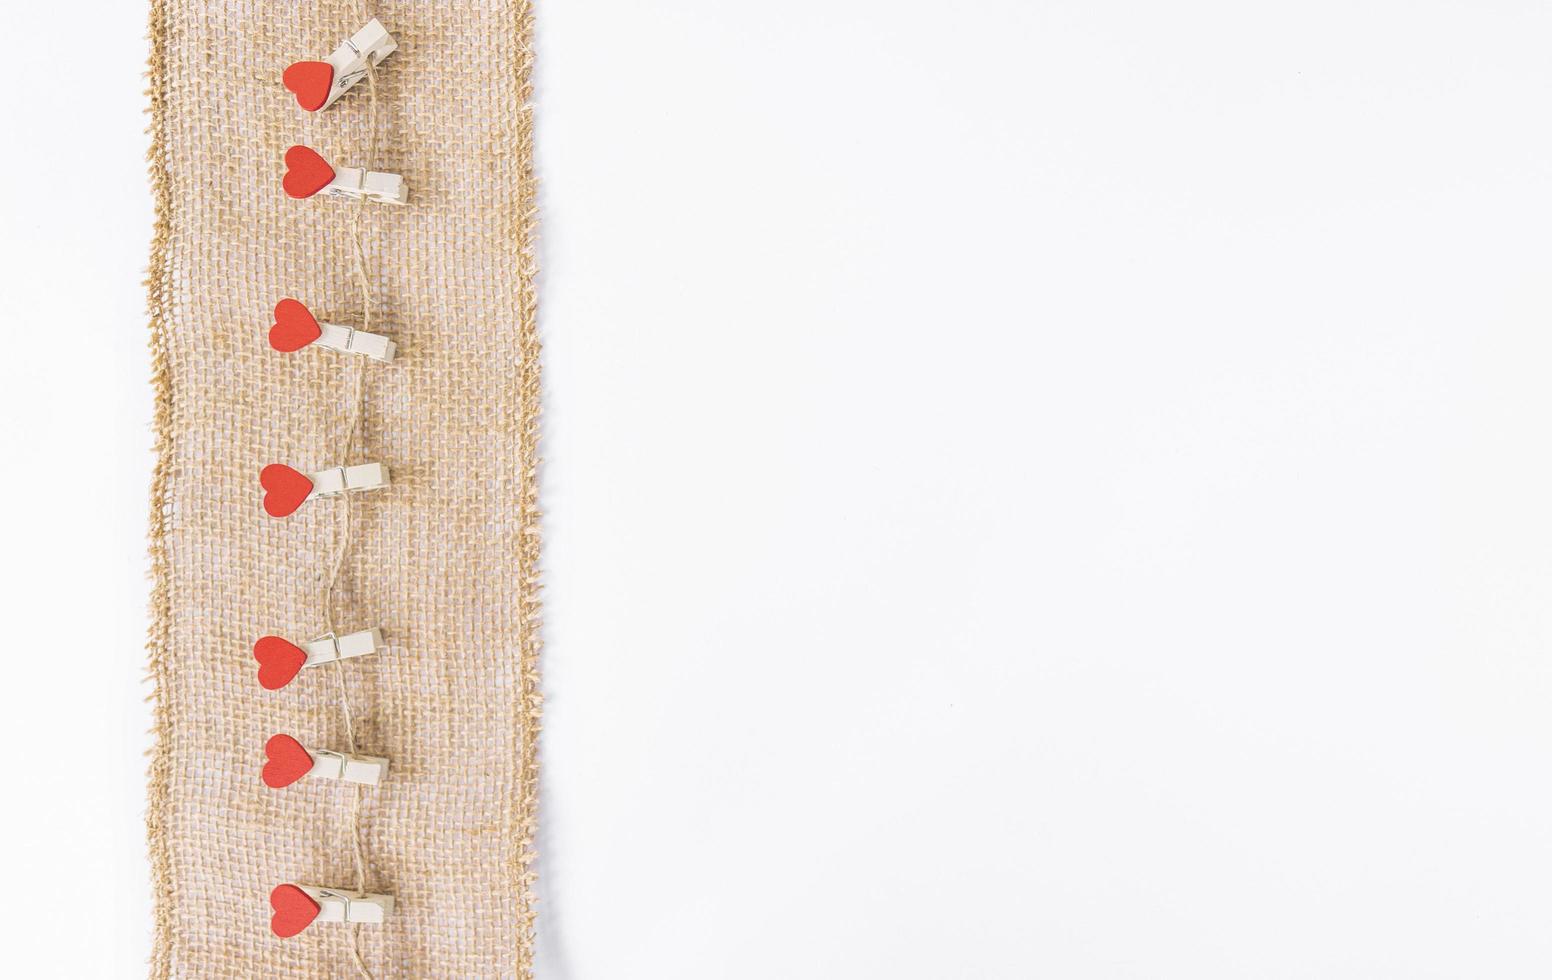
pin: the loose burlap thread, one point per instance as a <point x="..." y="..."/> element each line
<point x="445" y="561"/>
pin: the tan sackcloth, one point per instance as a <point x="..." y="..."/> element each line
<point x="444" y="561"/>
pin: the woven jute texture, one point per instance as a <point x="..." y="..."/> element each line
<point x="444" y="561"/>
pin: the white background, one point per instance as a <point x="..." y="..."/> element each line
<point x="1036" y="488"/>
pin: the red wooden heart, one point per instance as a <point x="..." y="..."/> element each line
<point x="295" y="910"/>
<point x="307" y="173"/>
<point x="279" y="660"/>
<point x="285" y="489"/>
<point x="288" y="761"/>
<point x="310" y="80"/>
<point x="294" y="328"/>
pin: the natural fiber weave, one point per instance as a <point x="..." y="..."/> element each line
<point x="445" y="561"/>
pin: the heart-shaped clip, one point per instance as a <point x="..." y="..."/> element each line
<point x="279" y="660"/>
<point x="311" y="81"/>
<point x="318" y="83"/>
<point x="287" y="761"/>
<point x="307" y="173"/>
<point x="294" y="328"/>
<point x="285" y="489"/>
<point x="295" y="910"/>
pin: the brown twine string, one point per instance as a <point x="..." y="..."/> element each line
<point x="343" y="536"/>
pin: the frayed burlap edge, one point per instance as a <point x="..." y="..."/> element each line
<point x="524" y="819"/>
<point x="158" y="297"/>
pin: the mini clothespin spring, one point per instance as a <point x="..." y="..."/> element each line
<point x="349" y="340"/>
<point x="360" y="184"/>
<point x="368" y="770"/>
<point x="330" y="647"/>
<point x="342" y="905"/>
<point x="342" y="479"/>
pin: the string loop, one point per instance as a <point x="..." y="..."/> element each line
<point x="343" y="533"/>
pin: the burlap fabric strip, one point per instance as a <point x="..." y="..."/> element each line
<point x="445" y="561"/>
